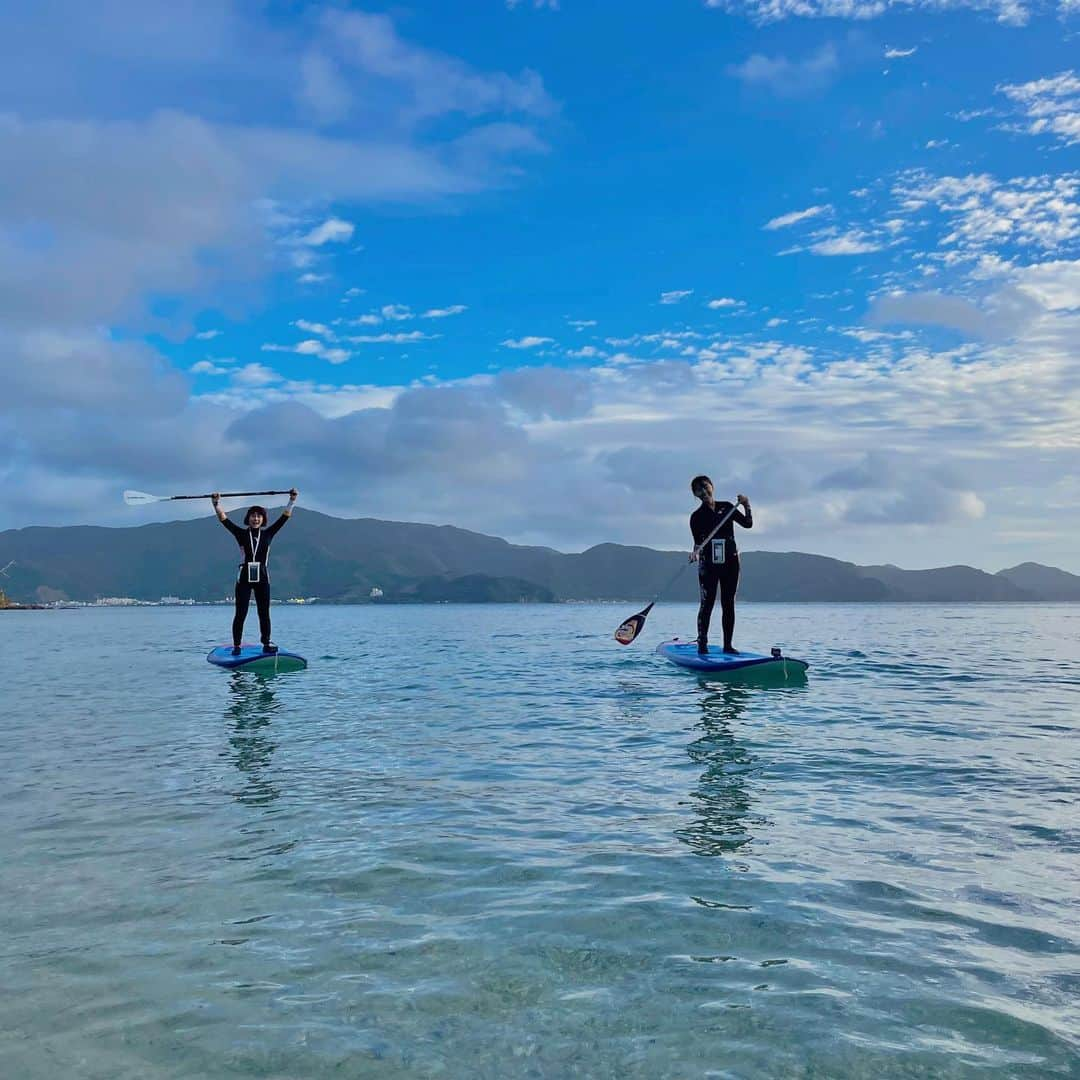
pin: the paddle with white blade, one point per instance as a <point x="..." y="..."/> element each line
<point x="633" y="626"/>
<point x="141" y="498"/>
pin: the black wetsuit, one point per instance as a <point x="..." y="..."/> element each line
<point x="714" y="575"/>
<point x="255" y="544"/>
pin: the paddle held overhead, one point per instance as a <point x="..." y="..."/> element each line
<point x="141" y="498"/>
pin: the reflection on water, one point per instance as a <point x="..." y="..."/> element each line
<point x="252" y="703"/>
<point x="722" y="800"/>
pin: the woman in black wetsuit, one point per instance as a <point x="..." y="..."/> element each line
<point x="718" y="561"/>
<point x="253" y="577"/>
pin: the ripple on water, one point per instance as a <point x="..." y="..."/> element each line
<point x="540" y="854"/>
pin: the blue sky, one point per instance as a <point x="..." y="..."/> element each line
<point x="526" y="268"/>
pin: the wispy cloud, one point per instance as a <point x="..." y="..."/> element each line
<point x="528" y="342"/>
<point x="795" y="216"/>
<point x="311" y="347"/>
<point x="314" y="328"/>
<point x="436" y="84"/>
<point x="391" y="339"/>
<point x="675" y="296"/>
<point x="444" y="313"/>
<point x="898" y="54"/>
<point x="854" y="242"/>
<point x="724" y="302"/>
<point x="1008" y="12"/>
<point x="788" y="78"/>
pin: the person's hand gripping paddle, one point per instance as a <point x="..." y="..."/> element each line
<point x="633" y="626"/>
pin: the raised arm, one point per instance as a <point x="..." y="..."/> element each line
<point x="215" y="501"/>
<point x="285" y="514"/>
<point x="744" y="517"/>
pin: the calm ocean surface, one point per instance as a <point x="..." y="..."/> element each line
<point x="488" y="842"/>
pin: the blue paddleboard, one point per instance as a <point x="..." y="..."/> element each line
<point x="743" y="665"/>
<point x="252" y="658"/>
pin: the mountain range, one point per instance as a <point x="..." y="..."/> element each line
<point x="343" y="560"/>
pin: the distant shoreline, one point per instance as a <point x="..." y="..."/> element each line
<point x="144" y="604"/>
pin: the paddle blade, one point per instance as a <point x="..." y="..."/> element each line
<point x="632" y="627"/>
<point x="140" y="498"/>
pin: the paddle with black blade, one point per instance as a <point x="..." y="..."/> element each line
<point x="633" y="626"/>
<point x="140" y="498"/>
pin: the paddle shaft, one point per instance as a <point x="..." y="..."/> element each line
<point x="223" y="495"/>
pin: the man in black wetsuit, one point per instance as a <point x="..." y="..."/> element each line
<point x="718" y="560"/>
<point x="253" y="577"/>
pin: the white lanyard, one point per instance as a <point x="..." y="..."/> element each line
<point x="255" y="541"/>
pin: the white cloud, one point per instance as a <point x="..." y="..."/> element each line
<point x="998" y="415"/>
<point x="854" y="242"/>
<point x="587" y="352"/>
<point x="207" y="367"/>
<point x="1008" y="12"/>
<point x="1052" y="106"/>
<point x="897" y="54"/>
<point x="775" y="321"/>
<point x="314" y="328"/>
<point x="311" y="347"/>
<point x="255" y="375"/>
<point x="793" y="218"/>
<point x="443" y="313"/>
<point x="528" y="342"/>
<point x="312" y="279"/>
<point x="208" y="335"/>
<point x="603" y="433"/>
<point x="581" y="324"/>
<point x="675" y="296"/>
<point x="392" y="339"/>
<point x="1054" y="285"/>
<point x="724" y="302"/>
<point x="332" y="231"/>
<point x="396" y="312"/>
<point x="986" y="213"/>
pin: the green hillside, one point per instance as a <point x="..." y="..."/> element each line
<point x="341" y="561"/>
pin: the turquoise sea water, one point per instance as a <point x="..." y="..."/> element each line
<point x="490" y="842"/>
